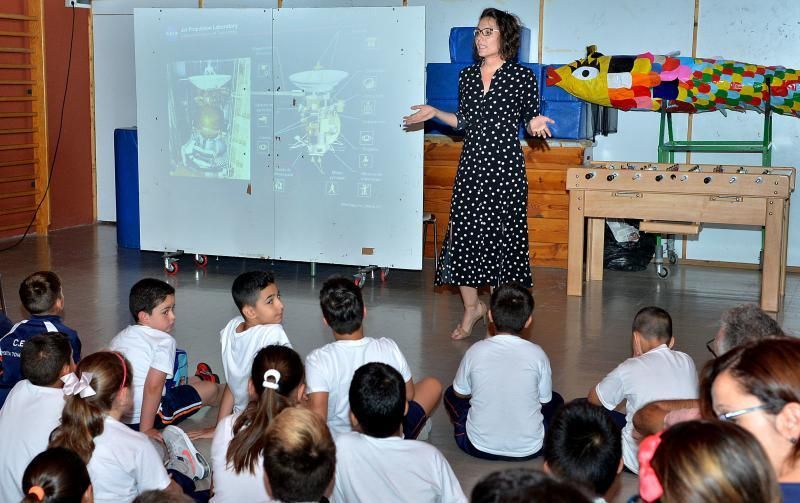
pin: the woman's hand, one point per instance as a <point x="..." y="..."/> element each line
<point x="423" y="113"/>
<point x="538" y="126"/>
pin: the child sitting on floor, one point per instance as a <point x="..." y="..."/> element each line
<point x="655" y="372"/>
<point x="33" y="408"/>
<point x="329" y="369"/>
<point x="151" y="350"/>
<point x="122" y="462"/>
<point x="299" y="457"/>
<point x="42" y="297"/>
<point x="502" y="398"/>
<point x="373" y="463"/>
<point x="259" y="301"/>
<point x="583" y="446"/>
<point x="276" y="382"/>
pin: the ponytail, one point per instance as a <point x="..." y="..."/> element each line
<point x="276" y="373"/>
<point x="55" y="475"/>
<point x="89" y="396"/>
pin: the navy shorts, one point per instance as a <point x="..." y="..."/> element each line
<point x="414" y="420"/>
<point x="177" y="404"/>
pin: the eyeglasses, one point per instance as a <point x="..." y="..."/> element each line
<point x="486" y="32"/>
<point x="710" y="347"/>
<point x="732" y="415"/>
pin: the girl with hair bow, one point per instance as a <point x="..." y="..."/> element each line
<point x="122" y="462"/>
<point x="705" y="462"/>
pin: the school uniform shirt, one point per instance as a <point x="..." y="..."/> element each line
<point x="28" y="417"/>
<point x="509" y="378"/>
<point x="330" y="369"/>
<point x="659" y="374"/>
<point x="124" y="464"/>
<point x="229" y="486"/>
<point x="12" y="342"/>
<point x="238" y="352"/>
<point x="145" y="348"/>
<point x="392" y="469"/>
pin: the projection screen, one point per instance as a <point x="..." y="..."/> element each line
<point x="277" y="133"/>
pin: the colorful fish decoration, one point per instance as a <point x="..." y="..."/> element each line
<point x="648" y="82"/>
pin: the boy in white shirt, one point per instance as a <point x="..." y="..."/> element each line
<point x="33" y="408"/>
<point x="151" y="350"/>
<point x="329" y="369"/>
<point x="583" y="446"/>
<point x="373" y="463"/>
<point x="258" y="299"/>
<point x="655" y="372"/>
<point x="502" y="398"/>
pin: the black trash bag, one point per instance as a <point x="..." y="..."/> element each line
<point x="628" y="256"/>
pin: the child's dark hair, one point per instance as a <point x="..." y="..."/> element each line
<point x="248" y="430"/>
<point x="83" y="417"/>
<point x="248" y="285"/>
<point x="583" y="446"/>
<point x="40" y="291"/>
<point x="378" y="399"/>
<point x="146" y="294"/>
<point x="299" y="456"/>
<point x="43" y="357"/>
<point x="524" y="485"/>
<point x="58" y="475"/>
<point x="511" y="306"/>
<point x="342" y="305"/>
<point x="510" y="29"/>
<point x="653" y="323"/>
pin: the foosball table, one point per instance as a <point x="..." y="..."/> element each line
<point x="678" y="199"/>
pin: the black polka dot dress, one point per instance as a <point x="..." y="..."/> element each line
<point x="487" y="237"/>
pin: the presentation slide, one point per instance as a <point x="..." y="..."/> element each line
<point x="277" y="133"/>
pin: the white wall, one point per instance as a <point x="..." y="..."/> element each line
<point x="765" y="33"/>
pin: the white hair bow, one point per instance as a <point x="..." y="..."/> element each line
<point x="270" y="384"/>
<point x="75" y="386"/>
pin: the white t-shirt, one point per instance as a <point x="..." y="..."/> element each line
<point x="330" y="369"/>
<point x="238" y="351"/>
<point x="509" y="379"/>
<point x="229" y="486"/>
<point x="392" y="469"/>
<point x="27" y="418"/>
<point x="659" y="374"/>
<point x="145" y="348"/>
<point x="124" y="464"/>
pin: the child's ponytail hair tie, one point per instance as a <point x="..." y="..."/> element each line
<point x="650" y="488"/>
<point x="37" y="491"/>
<point x="272" y="384"/>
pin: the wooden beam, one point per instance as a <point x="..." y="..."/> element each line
<point x="18" y="131"/>
<point x="20" y="178"/>
<point x="21" y="162"/>
<point x="16" y="82"/>
<point x="18" y="146"/>
<point x="18" y="17"/>
<point x="23" y="209"/>
<point x="13" y="195"/>
<point x="13" y="227"/>
<point x="39" y="108"/>
<point x="22" y="50"/>
<point x="24" y="34"/>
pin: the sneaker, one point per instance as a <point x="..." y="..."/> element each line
<point x="204" y="373"/>
<point x="425" y="432"/>
<point x="184" y="457"/>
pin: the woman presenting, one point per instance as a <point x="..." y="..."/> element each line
<point x="487" y="237"/>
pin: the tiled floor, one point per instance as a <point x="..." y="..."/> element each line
<point x="585" y="337"/>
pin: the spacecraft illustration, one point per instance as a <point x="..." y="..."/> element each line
<point x="206" y="151"/>
<point x="319" y="112"/>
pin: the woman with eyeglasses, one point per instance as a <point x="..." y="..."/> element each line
<point x="487" y="237"/>
<point x="757" y="386"/>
